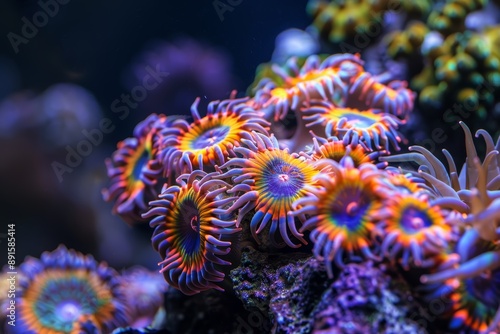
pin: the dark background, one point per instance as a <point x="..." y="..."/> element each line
<point x="91" y="43"/>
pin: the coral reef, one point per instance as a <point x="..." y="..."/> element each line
<point x="236" y="179"/>
<point x="298" y="297"/>
<point x="289" y="210"/>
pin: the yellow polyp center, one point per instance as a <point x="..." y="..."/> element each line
<point x="279" y="93"/>
<point x="310" y="76"/>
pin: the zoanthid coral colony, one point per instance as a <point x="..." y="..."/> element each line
<point x="224" y="179"/>
<point x="328" y="184"/>
<point x="332" y="189"/>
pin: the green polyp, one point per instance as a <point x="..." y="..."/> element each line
<point x="494" y="79"/>
<point x="454" y="12"/>
<point x="431" y="95"/>
<point x="477" y="48"/>
<point x="464" y="62"/>
<point x="476" y="79"/>
<point x="492" y="63"/>
<point x="468" y="96"/>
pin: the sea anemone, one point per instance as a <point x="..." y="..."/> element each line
<point x="271" y="179"/>
<point x="189" y="234"/>
<point x="134" y="170"/>
<point x="342" y="211"/>
<point x="65" y="292"/>
<point x="208" y="140"/>
<point x="485" y="205"/>
<point x="412" y="228"/>
<point x="475" y="294"/>
<point x="455" y="187"/>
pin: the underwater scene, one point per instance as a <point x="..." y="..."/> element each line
<point x="235" y="166"/>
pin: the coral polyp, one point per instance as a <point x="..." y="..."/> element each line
<point x="64" y="292"/>
<point x="134" y="170"/>
<point x="338" y="150"/>
<point x="342" y="212"/>
<point x="450" y="17"/>
<point x="407" y="42"/>
<point x="475" y="283"/>
<point x="190" y="235"/>
<point x="374" y="129"/>
<point x="340" y="21"/>
<point x="412" y="229"/>
<point x="339" y="80"/>
<point x="315" y="79"/>
<point x="208" y="140"/>
<point x="143" y="291"/>
<point x="271" y="179"/>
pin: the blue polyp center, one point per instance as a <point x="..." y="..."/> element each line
<point x="139" y="165"/>
<point x="211" y="137"/>
<point x="414" y="220"/>
<point x="189" y="217"/>
<point x="350" y="208"/>
<point x="63" y="301"/>
<point x="281" y="179"/>
<point x="359" y="120"/>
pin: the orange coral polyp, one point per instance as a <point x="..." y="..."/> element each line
<point x="372" y="127"/>
<point x="342" y="211"/>
<point x="315" y="79"/>
<point x="309" y="77"/>
<point x="189" y="234"/>
<point x="219" y="130"/>
<point x="412" y="228"/>
<point x="270" y="180"/>
<point x="209" y="140"/>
